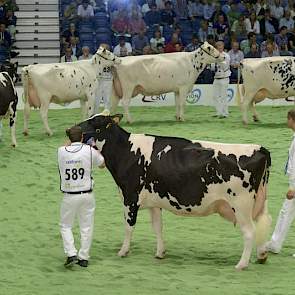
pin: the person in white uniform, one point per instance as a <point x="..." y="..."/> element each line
<point x="105" y="85"/>
<point x="221" y="82"/>
<point x="287" y="213"/>
<point x="75" y="162"/>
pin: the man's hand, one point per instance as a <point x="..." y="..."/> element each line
<point x="290" y="194"/>
<point x="91" y="142"/>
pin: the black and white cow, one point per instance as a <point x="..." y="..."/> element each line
<point x="189" y="178"/>
<point x="8" y="103"/>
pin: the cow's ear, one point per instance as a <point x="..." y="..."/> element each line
<point x="117" y="118"/>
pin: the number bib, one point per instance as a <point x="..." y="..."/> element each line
<point x="75" y="166"/>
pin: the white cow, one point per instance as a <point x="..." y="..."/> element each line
<point x="162" y="73"/>
<point x="63" y="83"/>
<point x="272" y="77"/>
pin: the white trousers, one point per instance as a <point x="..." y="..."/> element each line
<point x="82" y="206"/>
<point x="285" y="219"/>
<point x="1" y="126"/>
<point x="220" y="96"/>
<point x="103" y="93"/>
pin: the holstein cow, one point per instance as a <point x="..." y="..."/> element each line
<point x="272" y="77"/>
<point x="162" y="73"/>
<point x="8" y="103"/>
<point x="63" y="83"/>
<point x="188" y="178"/>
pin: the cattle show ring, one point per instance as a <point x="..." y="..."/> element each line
<point x="169" y="152"/>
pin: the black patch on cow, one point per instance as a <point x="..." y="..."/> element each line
<point x="74" y="72"/>
<point x="89" y="85"/>
<point x="229" y="191"/>
<point x="233" y="210"/>
<point x="188" y="209"/>
<point x="245" y="184"/>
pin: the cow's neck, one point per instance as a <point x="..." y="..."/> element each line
<point x="198" y="59"/>
<point x="116" y="148"/>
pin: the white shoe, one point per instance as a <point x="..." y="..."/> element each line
<point x="293" y="255"/>
<point x="271" y="248"/>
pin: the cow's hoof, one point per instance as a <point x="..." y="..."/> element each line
<point x="262" y="259"/>
<point x="13" y="145"/>
<point x="160" y="255"/>
<point x="255" y="119"/>
<point x="241" y="266"/>
<point x="245" y="123"/>
<point x="123" y="253"/>
<point x="49" y="133"/>
<point x="25" y="133"/>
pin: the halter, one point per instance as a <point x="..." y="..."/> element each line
<point x="106" y="58"/>
<point x="216" y="57"/>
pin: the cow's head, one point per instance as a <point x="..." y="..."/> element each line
<point x="11" y="69"/>
<point x="105" y="57"/>
<point x="211" y="54"/>
<point x="99" y="126"/>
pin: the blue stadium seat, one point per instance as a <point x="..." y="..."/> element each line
<point x="86" y="37"/>
<point x="4" y="54"/>
<point x="105" y="30"/>
<point x="167" y="32"/>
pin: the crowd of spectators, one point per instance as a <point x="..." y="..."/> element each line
<point x="249" y="28"/>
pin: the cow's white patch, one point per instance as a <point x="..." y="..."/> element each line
<point x="100" y="144"/>
<point x="227" y="148"/>
<point x="144" y="144"/>
<point x="165" y="150"/>
<point x="3" y="80"/>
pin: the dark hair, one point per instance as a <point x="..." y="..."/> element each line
<point x="251" y="34"/>
<point x="168" y="3"/>
<point x="74" y="133"/>
<point x="283" y="28"/>
<point x="291" y="114"/>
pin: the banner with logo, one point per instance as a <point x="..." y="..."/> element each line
<point x="200" y="95"/>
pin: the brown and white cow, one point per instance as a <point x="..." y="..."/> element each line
<point x="63" y="83"/>
<point x="271" y="77"/>
<point x="188" y="178"/>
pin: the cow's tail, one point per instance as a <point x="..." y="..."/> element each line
<point x="27" y="108"/>
<point x="239" y="87"/>
<point x="260" y="210"/>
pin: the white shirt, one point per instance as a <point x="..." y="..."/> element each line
<point x="82" y="57"/>
<point x="106" y="74"/>
<point x="277" y="12"/>
<point x="75" y="163"/>
<point x="291" y="164"/>
<point x="123" y="51"/>
<point x="289" y="23"/>
<point x="85" y="12"/>
<point x="223" y="68"/>
<point x="255" y="28"/>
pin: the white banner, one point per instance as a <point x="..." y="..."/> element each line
<point x="201" y="95"/>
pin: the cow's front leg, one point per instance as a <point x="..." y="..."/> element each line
<point x="244" y="109"/>
<point x="84" y="111"/>
<point x="156" y="216"/>
<point x="44" y="115"/>
<point x="177" y="106"/>
<point x="12" y="122"/>
<point x="27" y="110"/>
<point x="255" y="114"/>
<point x="182" y="99"/>
<point x="1" y="126"/>
<point x="130" y="215"/>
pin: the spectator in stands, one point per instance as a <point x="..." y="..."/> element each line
<point x="217" y="12"/>
<point x="270" y="39"/>
<point x="3" y="9"/>
<point x="147" y="50"/>
<point x="269" y="51"/>
<point x="254" y="52"/>
<point x="236" y="56"/>
<point x="252" y="24"/>
<point x="284" y="51"/>
<point x="287" y="21"/>
<point x="246" y="44"/>
<point x="181" y="9"/>
<point x="120" y="24"/>
<point x="276" y="10"/>
<point x="177" y="30"/>
<point x="173" y="45"/>
<point x="133" y="8"/>
<point x="234" y="13"/>
<point x="75" y="46"/>
<point x="70" y="12"/>
<point x="157" y="42"/>
<point x="268" y="24"/>
<point x="153" y="17"/>
<point x="11" y="23"/>
<point x="194" y="45"/>
<point x="85" y="10"/>
<point x="99" y="5"/>
<point x="139" y="41"/>
<point x="71" y="32"/>
<point x="5" y="37"/>
<point x="220" y="28"/>
<point x="239" y="29"/>
<point x="147" y="6"/>
<point x="85" y="53"/>
<point x="68" y="57"/>
<point x="259" y="8"/>
<point x="211" y="40"/>
<point x="204" y="31"/>
<point x="123" y="48"/>
<point x="168" y="15"/>
<point x="161" y="4"/>
<point x="136" y="24"/>
<point x="195" y="9"/>
<point x="281" y="39"/>
<point x="209" y="8"/>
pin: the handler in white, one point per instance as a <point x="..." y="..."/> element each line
<point x="76" y="162"/>
<point x="287" y="213"/>
<point x="221" y="82"/>
<point x="105" y="85"/>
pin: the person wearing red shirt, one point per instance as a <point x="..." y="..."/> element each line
<point x="174" y="45"/>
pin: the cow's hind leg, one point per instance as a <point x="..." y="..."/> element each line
<point x="44" y="115"/>
<point x="255" y="114"/>
<point x="156" y="216"/>
<point x="125" y="104"/>
<point x="177" y="106"/>
<point x="12" y="121"/>
<point x="183" y="92"/>
<point x="130" y="215"/>
<point x="1" y="126"/>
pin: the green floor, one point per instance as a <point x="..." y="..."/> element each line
<point x="201" y="252"/>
